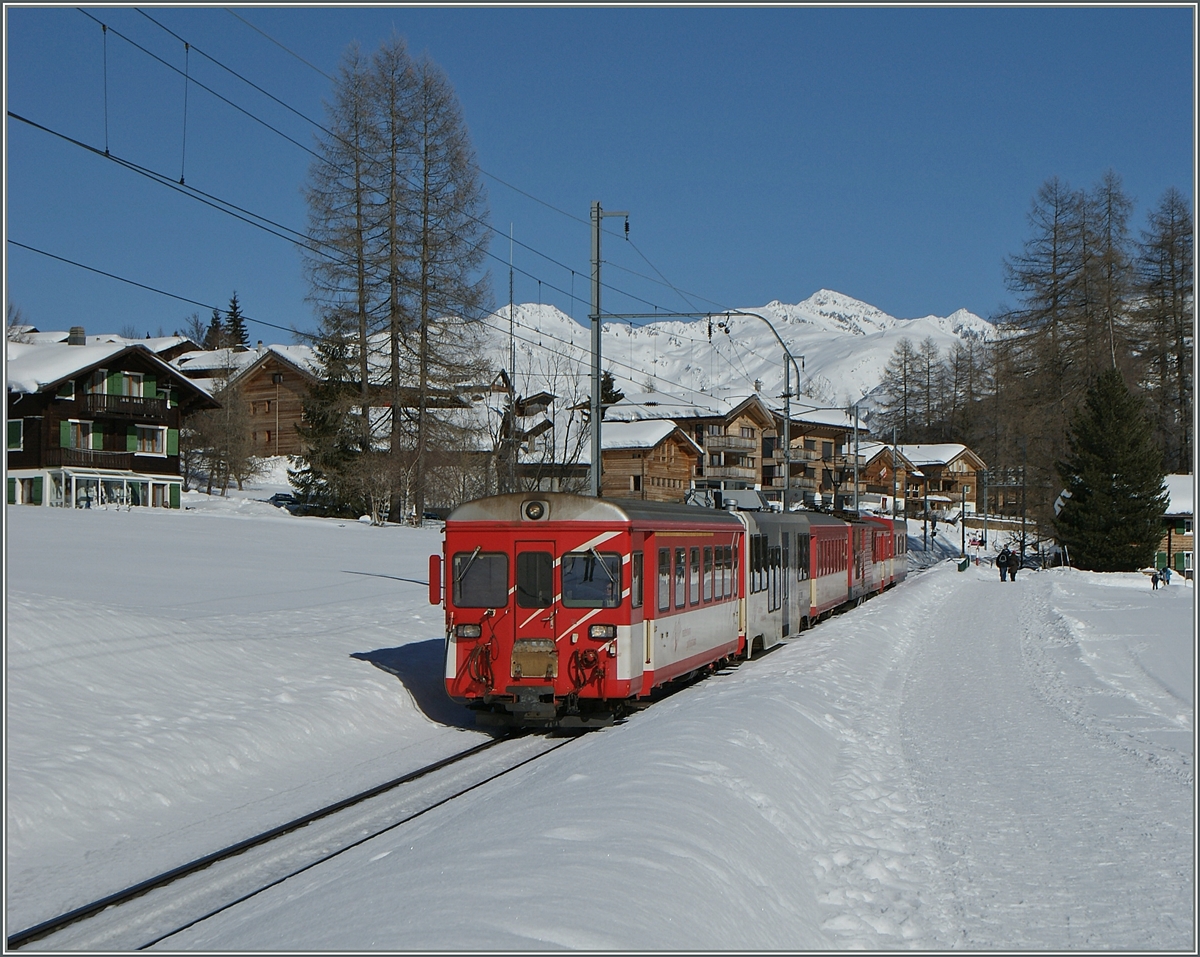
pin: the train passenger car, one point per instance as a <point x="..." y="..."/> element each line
<point x="798" y="571"/>
<point x="890" y="549"/>
<point x="560" y="608"/>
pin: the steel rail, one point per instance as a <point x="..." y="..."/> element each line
<point x="46" y="927"/>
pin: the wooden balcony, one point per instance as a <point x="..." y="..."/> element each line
<point x="135" y="406"/>
<point x="733" y="472"/>
<point x="731" y="443"/>
<point x="89" y="459"/>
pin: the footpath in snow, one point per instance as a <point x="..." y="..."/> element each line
<point x="958" y="763"/>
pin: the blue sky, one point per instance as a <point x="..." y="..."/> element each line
<point x="890" y="154"/>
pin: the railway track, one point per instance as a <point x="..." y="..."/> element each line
<point x="156" y="909"/>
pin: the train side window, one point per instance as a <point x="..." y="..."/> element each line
<point x="729" y="578"/>
<point x="635" y="580"/>
<point x="694" y="578"/>
<point x="680" y="577"/>
<point x="708" y="573"/>
<point x="535" y="579"/>
<point x="591" y="579"/>
<point x="480" y="579"/>
<point x="802" y="557"/>
<point x="664" y="579"/>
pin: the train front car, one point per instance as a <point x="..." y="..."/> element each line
<point x="549" y="620"/>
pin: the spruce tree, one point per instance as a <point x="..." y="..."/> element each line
<point x="1112" y="518"/>
<point x="235" y="325"/>
<point x="214" y="338"/>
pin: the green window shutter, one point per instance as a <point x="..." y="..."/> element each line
<point x="131" y="439"/>
<point x="172" y="441"/>
<point x="1180" y="527"/>
<point x="1160" y="560"/>
<point x="116" y="383"/>
<point x="174" y="495"/>
<point x="64" y="434"/>
<point x="149" y="387"/>
<point x="12" y="491"/>
<point x="97" y="437"/>
<point x="37" y="490"/>
<point x="15" y="430"/>
<point x="1179" y="561"/>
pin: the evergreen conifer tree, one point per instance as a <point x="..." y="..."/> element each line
<point x="214" y="338"/>
<point x="235" y="325"/>
<point x="1112" y="518"/>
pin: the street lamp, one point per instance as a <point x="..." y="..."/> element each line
<point x="788" y="365"/>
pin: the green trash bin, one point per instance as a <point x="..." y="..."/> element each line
<point x="964" y="563"/>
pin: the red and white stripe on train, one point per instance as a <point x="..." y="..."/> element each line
<point x="563" y="609"/>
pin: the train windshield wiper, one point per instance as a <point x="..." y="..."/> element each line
<point x="467" y="566"/>
<point x="603" y="564"/>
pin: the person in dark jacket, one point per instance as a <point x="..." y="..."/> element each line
<point x="1014" y="562"/>
<point x="1002" y="562"/>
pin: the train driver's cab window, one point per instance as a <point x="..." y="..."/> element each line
<point x="591" y="579"/>
<point x="535" y="579"/>
<point x="480" y="579"/>
<point x="635" y="580"/>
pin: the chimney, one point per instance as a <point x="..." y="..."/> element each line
<point x="260" y="347"/>
<point x="76" y="337"/>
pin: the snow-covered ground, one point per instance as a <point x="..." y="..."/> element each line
<point x="959" y="763"/>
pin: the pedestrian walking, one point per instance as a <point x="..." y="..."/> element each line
<point x="1014" y="562"/>
<point x="1154" y="581"/>
<point x="1002" y="562"/>
<point x="1165" y="574"/>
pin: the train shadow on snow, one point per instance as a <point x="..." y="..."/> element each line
<point x="419" y="666"/>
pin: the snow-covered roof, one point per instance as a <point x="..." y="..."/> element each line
<point x="214" y="362"/>
<point x="942" y="454"/>
<point x="155" y="344"/>
<point x="32" y="367"/>
<point x="1181" y="492"/>
<point x="638" y="435"/>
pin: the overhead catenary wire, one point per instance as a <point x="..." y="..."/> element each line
<point x="307" y="241"/>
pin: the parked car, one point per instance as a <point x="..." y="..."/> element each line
<point x="283" y="500"/>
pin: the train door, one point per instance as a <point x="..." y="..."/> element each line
<point x="785" y="575"/>
<point x="535" y="608"/>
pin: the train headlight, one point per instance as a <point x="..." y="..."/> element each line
<point x="602" y="632"/>
<point x="467" y="631"/>
<point x="535" y="511"/>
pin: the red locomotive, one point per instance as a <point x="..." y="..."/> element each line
<point x="562" y="610"/>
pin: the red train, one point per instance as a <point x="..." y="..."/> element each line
<point x="563" y="610"/>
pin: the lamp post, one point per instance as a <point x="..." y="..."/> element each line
<point x="789" y="364"/>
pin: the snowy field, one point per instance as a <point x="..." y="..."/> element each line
<point x="958" y="764"/>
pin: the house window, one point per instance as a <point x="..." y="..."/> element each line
<point x="635" y="483"/>
<point x="82" y="435"/>
<point x="126" y="383"/>
<point x="827" y="450"/>
<point x="151" y="440"/>
<point x="97" y="382"/>
<point x="16" y="435"/>
<point x="66" y="390"/>
<point x="748" y="433"/>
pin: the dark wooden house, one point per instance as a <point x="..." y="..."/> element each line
<point x="93" y="425"/>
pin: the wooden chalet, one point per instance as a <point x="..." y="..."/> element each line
<point x="948" y="474"/>
<point x="652" y="460"/>
<point x="1176" y="547"/>
<point x="95" y="425"/>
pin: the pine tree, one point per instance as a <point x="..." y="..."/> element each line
<point x="1112" y="516"/>
<point x="609" y="393"/>
<point x="214" y="338"/>
<point x="235" y="325"/>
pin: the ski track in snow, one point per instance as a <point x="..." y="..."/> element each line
<point x="1052" y="831"/>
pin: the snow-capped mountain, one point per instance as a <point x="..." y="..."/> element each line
<point x="840" y="345"/>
